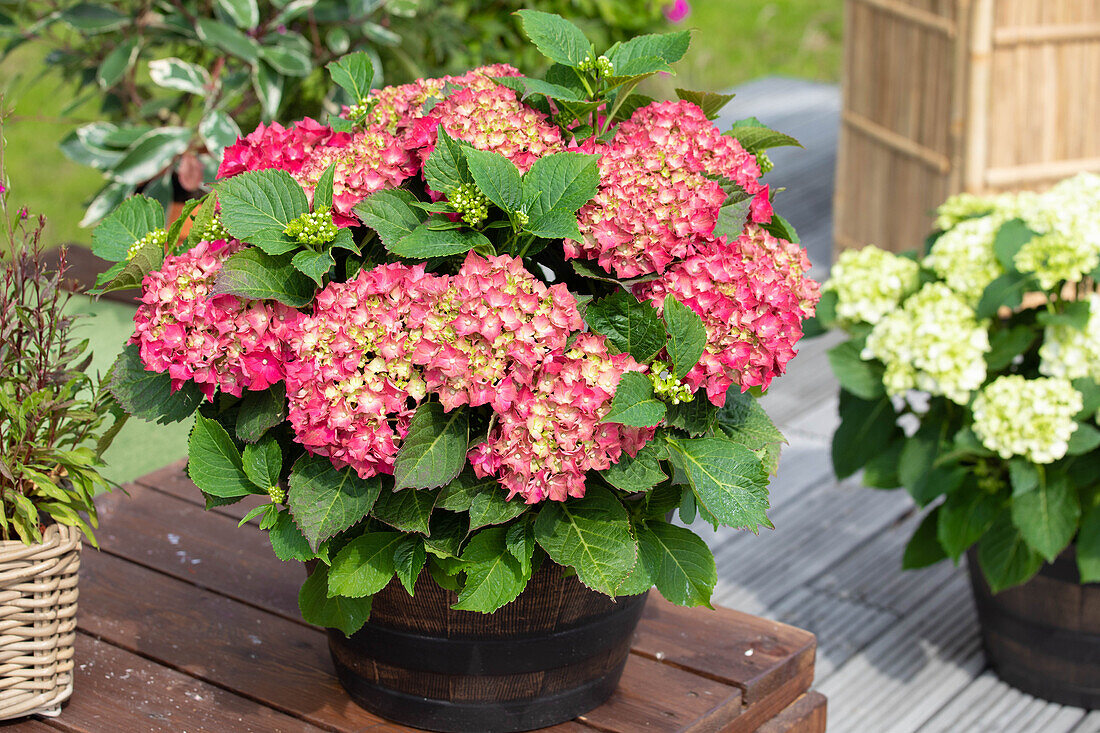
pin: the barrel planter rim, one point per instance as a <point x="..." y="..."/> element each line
<point x="1035" y="653"/>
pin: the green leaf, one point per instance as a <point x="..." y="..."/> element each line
<point x="117" y="63"/>
<point x="260" y="411"/>
<point x="253" y="274"/>
<point x="409" y="510"/>
<point x="354" y="73"/>
<point x="214" y="463"/>
<point x="744" y="421"/>
<point x="526" y="87"/>
<point x="425" y="242"/>
<point x="924" y="547"/>
<point x="147" y="259"/>
<point x="287" y="541"/>
<point x="755" y="137"/>
<point x="1090" y="394"/>
<point x="679" y="563"/>
<point x="93" y="18"/>
<point x="133" y="219"/>
<point x="1074" y="314"/>
<point x="269" y="90"/>
<point x="151" y="155"/>
<point x="630" y="325"/>
<point x="346" y="614"/>
<point x="494" y="507"/>
<point x="695" y="417"/>
<point x="364" y="566"/>
<point x="228" y="39"/>
<point x="245" y="13"/>
<point x="459" y="494"/>
<point x="555" y="37"/>
<point x="1011" y="237"/>
<point x="322" y="192"/>
<point x="408" y="561"/>
<point x="782" y="229"/>
<point x="558" y="224"/>
<point x="447" y="167"/>
<point x="1005" y="345"/>
<point x="1023" y="475"/>
<point x="965" y="517"/>
<point x="496" y="177"/>
<point x="263" y="462"/>
<point x="148" y="395"/>
<point x="106" y="199"/>
<point x="686" y="336"/>
<point x="1047" y="516"/>
<point x="520" y="544"/>
<point x="447" y="531"/>
<point x="325" y="500"/>
<point x="728" y="479"/>
<point x="494" y="577"/>
<point x="259" y="201"/>
<point x="218" y="131"/>
<point x="1088" y="547"/>
<point x="390" y="213"/>
<point x="866" y="429"/>
<point x="640" y="473"/>
<point x="560" y="182"/>
<point x="634" y="403"/>
<point x="1004" y="556"/>
<point x="592" y="536"/>
<point x="313" y="264"/>
<point x="861" y="378"/>
<point x="881" y="472"/>
<point x="287" y="60"/>
<point x="710" y="102"/>
<point x="1006" y="291"/>
<point x="434" y="450"/>
<point x="174" y="73"/>
<point x="634" y="57"/>
<point x="1084" y="439"/>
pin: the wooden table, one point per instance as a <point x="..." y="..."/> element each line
<point x="188" y="623"/>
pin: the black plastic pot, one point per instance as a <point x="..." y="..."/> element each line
<point x="1043" y="637"/>
<point x="554" y="653"/>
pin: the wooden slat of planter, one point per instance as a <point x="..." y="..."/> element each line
<point x="118" y="691"/>
<point x="804" y="715"/>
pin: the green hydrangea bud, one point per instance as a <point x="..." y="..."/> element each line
<point x="157" y="237"/>
<point x="765" y="162"/>
<point x="215" y="230"/>
<point x="277" y="494"/>
<point x="313" y="229"/>
<point x="521" y="218"/>
<point x="358" y="112"/>
<point x="668" y="388"/>
<point x="468" y="201"/>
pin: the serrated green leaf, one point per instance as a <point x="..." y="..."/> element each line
<point x="447" y="168"/>
<point x="148" y="395"/>
<point x="756" y="137"/>
<point x="924" y="548"/>
<point x="638" y="473"/>
<point x="259" y="201"/>
<point x="782" y="229"/>
<point x="592" y="536"/>
<point x="214" y="463"/>
<point x="519" y="541"/>
<point x="634" y="403"/>
<point x="263" y="462"/>
<point x="424" y="242"/>
<point x="255" y="275"/>
<point x="526" y="87"/>
<point x="313" y="264"/>
<point x="710" y="102"/>
<point x="686" y="336"/>
<point x="325" y="500"/>
<point x="409" y="510"/>
<point x="728" y="479"/>
<point x="408" y="561"/>
<point x="964" y="518"/>
<point x="695" y="417"/>
<point x="322" y="192"/>
<point x="346" y="614"/>
<point x="496" y="177"/>
<point x="364" y="566"/>
<point x="668" y="47"/>
<point x="1047" y="516"/>
<point x="560" y="182"/>
<point x="494" y="507"/>
<point x="555" y="37"/>
<point x="133" y="219"/>
<point x="147" y="259"/>
<point x="1004" y="556"/>
<point x="866" y="428"/>
<point x="390" y="213"/>
<point x="447" y="531"/>
<point x="494" y="577"/>
<point x="630" y="325"/>
<point x="354" y="73"/>
<point x="678" y="561"/>
<point x="863" y="378"/>
<point x="434" y="450"/>
<point x="459" y="494"/>
<point x="287" y="541"/>
<point x="1007" y="291"/>
<point x="1023" y="475"/>
<point x="1010" y="239"/>
<point x="744" y="421"/>
<point x="260" y="411"/>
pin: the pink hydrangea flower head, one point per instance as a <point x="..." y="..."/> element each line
<point x="656" y="203"/>
<point x="217" y="341"/>
<point x="275" y="146"/>
<point x="495" y="318"/>
<point x="752" y="294"/>
<point x="352" y="388"/>
<point x="550" y="435"/>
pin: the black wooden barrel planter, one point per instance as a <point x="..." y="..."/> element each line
<point x="1043" y="637"/>
<point x="554" y="653"/>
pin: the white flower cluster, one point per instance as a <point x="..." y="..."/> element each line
<point x="870" y="282"/>
<point x="1072" y="353"/>
<point x="1067" y="218"/>
<point x="963" y="256"/>
<point x="1033" y="418"/>
<point x="963" y="206"/>
<point x="933" y="343"/>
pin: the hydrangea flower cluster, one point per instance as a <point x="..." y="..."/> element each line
<point x="934" y="342"/>
<point x="551" y="433"/>
<point x="752" y="295"/>
<point x="963" y="256"/>
<point x="217" y="341"/>
<point x="1067" y="218"/>
<point x="658" y="200"/>
<point x="1071" y="352"/>
<point x="275" y="146"/>
<point x="1033" y="418"/>
<point x="870" y="282"/>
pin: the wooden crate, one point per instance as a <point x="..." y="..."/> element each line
<point x="944" y="96"/>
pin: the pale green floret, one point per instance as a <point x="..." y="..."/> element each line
<point x="765" y="163"/>
<point x="157" y="237"/>
<point x="963" y="256"/>
<point x="521" y="218"/>
<point x="870" y="282"/>
<point x="313" y="229"/>
<point x="1032" y="418"/>
<point x="359" y="111"/>
<point x="601" y="65"/>
<point x="1067" y="218"/>
<point x="277" y="494"/>
<point x="1070" y="352"/>
<point x="668" y="388"/>
<point x="215" y="230"/>
<point x="471" y="203"/>
<point x="964" y="206"/>
<point x="934" y="343"/>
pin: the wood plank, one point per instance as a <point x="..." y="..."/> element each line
<point x="807" y="714"/>
<point x="760" y="659"/>
<point x="172" y="479"/>
<point x="29" y="725"/>
<point x="179" y="538"/>
<point x="119" y="691"/>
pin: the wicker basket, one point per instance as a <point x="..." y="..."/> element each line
<point x="38" y="622"/>
<point x="944" y="96"/>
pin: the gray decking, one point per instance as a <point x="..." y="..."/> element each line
<point x="897" y="651"/>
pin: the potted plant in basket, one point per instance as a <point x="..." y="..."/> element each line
<point x="467" y="347"/>
<point x="53" y="430"/>
<point x="972" y="378"/>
